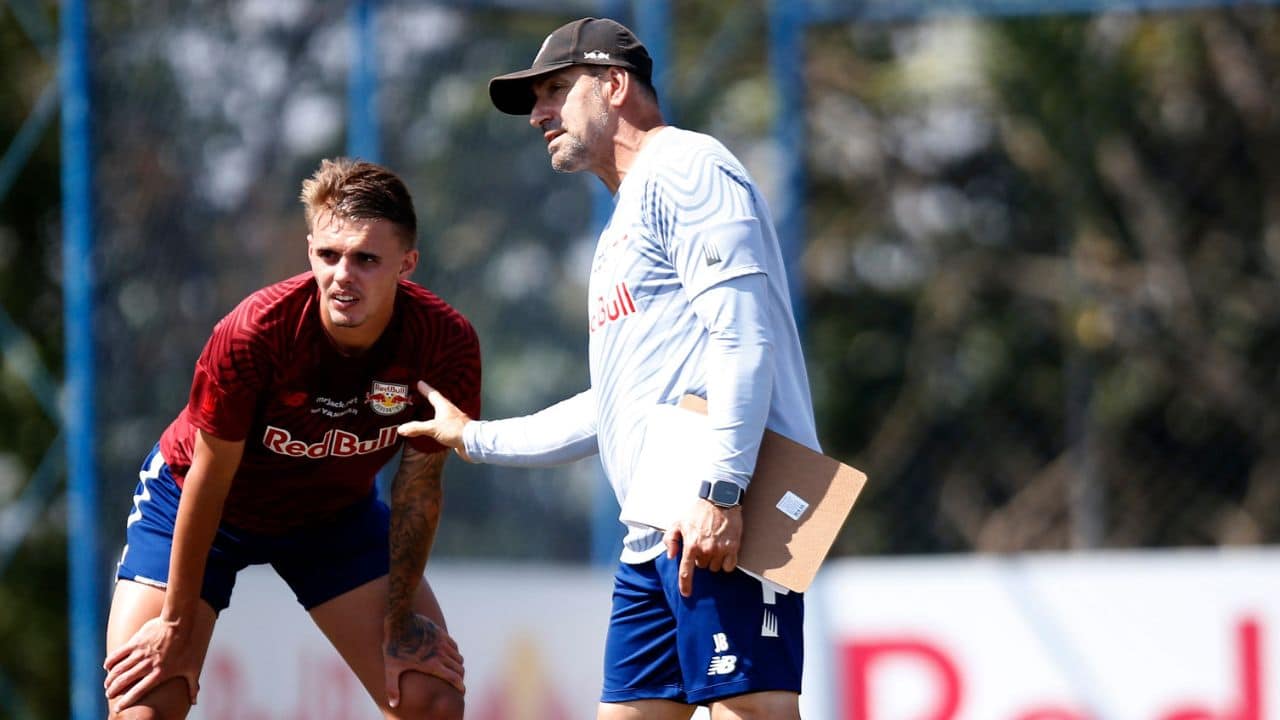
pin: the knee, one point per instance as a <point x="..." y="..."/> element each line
<point x="423" y="697"/>
<point x="165" y="703"/>
<point x="146" y="712"/>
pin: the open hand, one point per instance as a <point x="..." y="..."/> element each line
<point x="445" y="428"/>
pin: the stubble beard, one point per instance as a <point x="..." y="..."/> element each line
<point x="574" y="154"/>
<point x="571" y="156"/>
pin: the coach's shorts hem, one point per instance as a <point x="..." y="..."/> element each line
<point x="662" y="692"/>
<point x="712" y="693"/>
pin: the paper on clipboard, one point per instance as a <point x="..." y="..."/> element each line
<point x="666" y="481"/>
<point x="797" y="502"/>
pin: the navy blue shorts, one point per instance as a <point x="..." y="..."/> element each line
<point x="733" y="636"/>
<point x="318" y="563"/>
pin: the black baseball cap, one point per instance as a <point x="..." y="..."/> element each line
<point x="589" y="41"/>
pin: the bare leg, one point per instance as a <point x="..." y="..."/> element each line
<point x="353" y="623"/>
<point x="645" y="710"/>
<point x="770" y="705"/>
<point x="132" y="605"/>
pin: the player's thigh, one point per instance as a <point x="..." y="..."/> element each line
<point x="353" y="624"/>
<point x="768" y="705"/>
<point x="133" y="604"/>
<point x="645" y="710"/>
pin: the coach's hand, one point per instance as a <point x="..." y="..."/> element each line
<point x="445" y="428"/>
<point x="711" y="536"/>
<point x="157" y="652"/>
<point x="418" y="644"/>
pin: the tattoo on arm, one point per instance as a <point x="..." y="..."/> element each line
<point x="416" y="494"/>
<point x="417" y="640"/>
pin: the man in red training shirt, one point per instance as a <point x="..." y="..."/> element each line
<point x="293" y="409"/>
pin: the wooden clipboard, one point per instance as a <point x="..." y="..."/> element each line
<point x="795" y="506"/>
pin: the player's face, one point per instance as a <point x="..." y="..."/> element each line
<point x="357" y="265"/>
<point x="571" y="111"/>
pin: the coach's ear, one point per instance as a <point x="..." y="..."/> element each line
<point x="619" y="86"/>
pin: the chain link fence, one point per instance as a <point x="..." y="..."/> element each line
<point x="1040" y="267"/>
<point x="1042" y="308"/>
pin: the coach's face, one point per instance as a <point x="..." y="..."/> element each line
<point x="571" y="111"/>
<point x="357" y="265"/>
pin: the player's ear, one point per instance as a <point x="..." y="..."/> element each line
<point x="408" y="264"/>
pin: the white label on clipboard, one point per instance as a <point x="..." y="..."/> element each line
<point x="792" y="505"/>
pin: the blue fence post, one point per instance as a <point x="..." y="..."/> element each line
<point x="787" y="20"/>
<point x="653" y="26"/>
<point x="85" y="569"/>
<point x="363" y="140"/>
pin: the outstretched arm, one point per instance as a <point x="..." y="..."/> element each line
<point x="411" y="641"/>
<point x="559" y="434"/>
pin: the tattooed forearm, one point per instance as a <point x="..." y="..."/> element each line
<point x="415" y="513"/>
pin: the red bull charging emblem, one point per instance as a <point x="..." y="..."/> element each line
<point x="388" y="398"/>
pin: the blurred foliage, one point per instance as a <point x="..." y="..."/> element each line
<point x="1040" y="269"/>
<point x="33" y="606"/>
<point x="1043" y="278"/>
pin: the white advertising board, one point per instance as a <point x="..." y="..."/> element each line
<point x="1106" y="636"/>
<point x="531" y="636"/>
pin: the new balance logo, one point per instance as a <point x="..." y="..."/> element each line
<point x="769" y="628"/>
<point x="595" y="55"/>
<point x="711" y="255"/>
<point x="722" y="665"/>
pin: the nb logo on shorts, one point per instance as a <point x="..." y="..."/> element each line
<point x="722" y="665"/>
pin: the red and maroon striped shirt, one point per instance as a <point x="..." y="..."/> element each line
<point x="317" y="424"/>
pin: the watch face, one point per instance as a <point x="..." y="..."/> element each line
<point x="725" y="493"/>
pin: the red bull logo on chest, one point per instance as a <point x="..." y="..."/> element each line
<point x="335" y="443"/>
<point x="388" y="398"/>
<point x="617" y="306"/>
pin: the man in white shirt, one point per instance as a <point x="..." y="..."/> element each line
<point x="687" y="294"/>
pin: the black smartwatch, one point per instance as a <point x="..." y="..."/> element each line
<point x="721" y="492"/>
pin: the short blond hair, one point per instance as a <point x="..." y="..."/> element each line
<point x="359" y="190"/>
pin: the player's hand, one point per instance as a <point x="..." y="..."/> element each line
<point x="711" y="536"/>
<point x="156" y="652"/>
<point x="446" y="427"/>
<point x="419" y="644"/>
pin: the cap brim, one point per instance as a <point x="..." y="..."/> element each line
<point x="513" y="93"/>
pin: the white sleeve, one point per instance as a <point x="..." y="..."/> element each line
<point x="739" y="372"/>
<point x="556" y="435"/>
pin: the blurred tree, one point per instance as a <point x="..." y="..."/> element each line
<point x="33" y="634"/>
<point x="1041" y="264"/>
<point x="1045" y="310"/>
